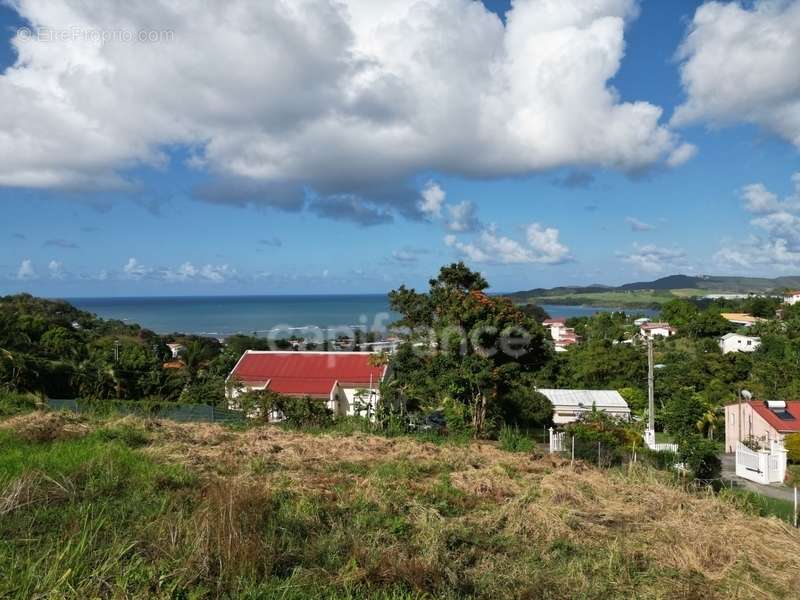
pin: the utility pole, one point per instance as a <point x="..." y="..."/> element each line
<point x="650" y="433"/>
<point x="116" y="351"/>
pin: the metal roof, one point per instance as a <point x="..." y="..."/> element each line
<point x="585" y="398"/>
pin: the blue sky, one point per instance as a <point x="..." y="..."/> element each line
<point x="145" y="204"/>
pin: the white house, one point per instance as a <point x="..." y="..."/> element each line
<point x="569" y="405"/>
<point x="346" y="382"/>
<point x="792" y="297"/>
<point x="736" y="342"/>
<point x="641" y="321"/>
<point x="652" y="330"/>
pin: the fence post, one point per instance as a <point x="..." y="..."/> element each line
<point x="598" y="454"/>
<point x="212" y="413"/>
<point x="795" y="506"/>
<point x="572" y="460"/>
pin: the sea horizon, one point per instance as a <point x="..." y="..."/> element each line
<point x="268" y="315"/>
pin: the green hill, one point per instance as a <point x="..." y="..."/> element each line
<point x="651" y="294"/>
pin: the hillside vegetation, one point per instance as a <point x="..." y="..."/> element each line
<point x="653" y="294"/>
<point x="132" y="508"/>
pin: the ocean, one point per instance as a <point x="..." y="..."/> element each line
<point x="266" y="316"/>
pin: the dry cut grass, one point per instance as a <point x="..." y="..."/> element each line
<point x="362" y="515"/>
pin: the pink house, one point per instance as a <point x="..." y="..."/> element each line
<point x="765" y="421"/>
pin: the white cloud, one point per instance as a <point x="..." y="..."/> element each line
<point x="683" y="153"/>
<point x="26" y="270"/>
<point x="133" y="269"/>
<point x="542" y="246"/>
<point x="649" y="258"/>
<point x="545" y="242"/>
<point x="462" y="217"/>
<point x="777" y="243"/>
<point x="637" y="225"/>
<point x="343" y="99"/>
<point x="432" y="199"/>
<point x="740" y="66"/>
<point x="56" y="269"/>
<point x="189" y="272"/>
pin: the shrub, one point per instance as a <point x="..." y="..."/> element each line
<point x="700" y="456"/>
<point x="792" y="445"/>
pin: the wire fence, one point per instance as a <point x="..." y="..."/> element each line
<point x="192" y="413"/>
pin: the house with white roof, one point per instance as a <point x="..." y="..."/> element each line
<point x="736" y="342"/>
<point x="569" y="405"/>
<point x="653" y="330"/>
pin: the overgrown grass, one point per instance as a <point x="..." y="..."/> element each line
<point x="12" y="403"/>
<point x="513" y="440"/>
<point x="140" y="509"/>
<point x="758" y="504"/>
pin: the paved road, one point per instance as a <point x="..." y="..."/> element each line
<point x="781" y="492"/>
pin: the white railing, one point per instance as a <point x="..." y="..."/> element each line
<point x="650" y="442"/>
<point x="761" y="466"/>
<point x="664" y="447"/>
<point x="556" y="440"/>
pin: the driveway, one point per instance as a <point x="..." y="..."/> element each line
<point x="776" y="490"/>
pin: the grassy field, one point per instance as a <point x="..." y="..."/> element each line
<point x="122" y="507"/>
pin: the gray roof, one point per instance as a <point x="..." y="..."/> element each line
<point x="728" y="336"/>
<point x="585" y="398"/>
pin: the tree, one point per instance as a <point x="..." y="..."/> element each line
<point x="682" y="413"/>
<point x="479" y="345"/>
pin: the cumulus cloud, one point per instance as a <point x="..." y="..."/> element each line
<point x="638" y="225"/>
<point x="739" y="65"/>
<point x="187" y="271"/>
<point x="462" y="217"/>
<point x="133" y="269"/>
<point x="56" y="269"/>
<point x="26" y="270"/>
<point x="776" y="241"/>
<point x="541" y="246"/>
<point x="407" y="255"/>
<point x="432" y="199"/>
<point x="330" y="98"/>
<point x="649" y="258"/>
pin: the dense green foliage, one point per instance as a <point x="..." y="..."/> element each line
<point x="472" y="354"/>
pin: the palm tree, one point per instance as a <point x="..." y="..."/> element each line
<point x="707" y="424"/>
<point x="194" y="356"/>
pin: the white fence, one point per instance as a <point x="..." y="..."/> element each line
<point x="650" y="442"/>
<point x="557" y="441"/>
<point x="761" y="466"/>
<point x="664" y="447"/>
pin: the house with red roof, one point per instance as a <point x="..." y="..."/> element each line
<point x="762" y="421"/>
<point x="792" y="297"/>
<point x="347" y="382"/>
